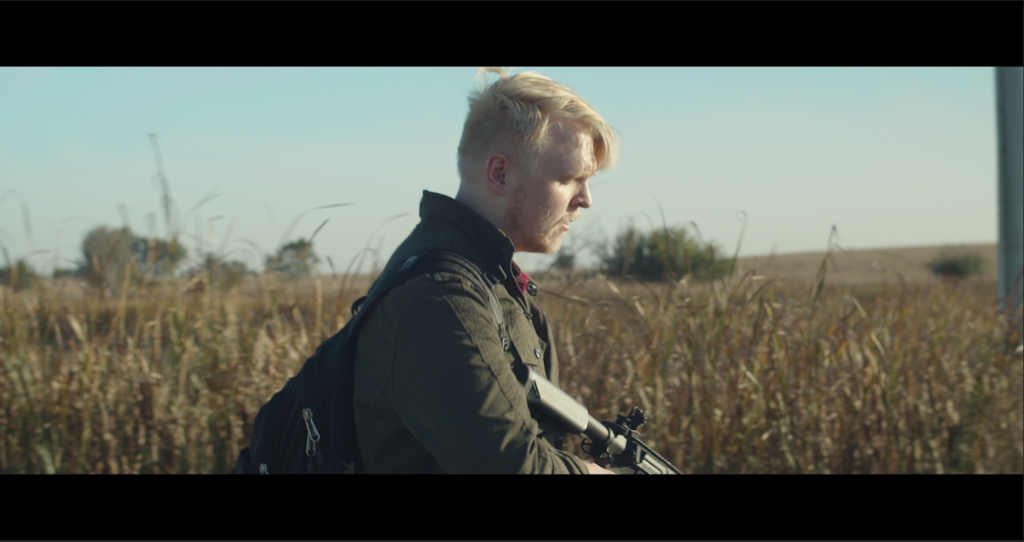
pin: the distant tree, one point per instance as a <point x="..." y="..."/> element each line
<point x="565" y="260"/>
<point x="295" y="258"/>
<point x="661" y="255"/>
<point x="156" y="256"/>
<point x="953" y="263"/>
<point x="616" y="257"/>
<point x="224" y="275"/>
<point x="20" y="275"/>
<point x="107" y="253"/>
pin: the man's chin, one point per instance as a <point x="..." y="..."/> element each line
<point x="540" y="250"/>
<point x="546" y="248"/>
<point x="542" y="246"/>
<point x="552" y="247"/>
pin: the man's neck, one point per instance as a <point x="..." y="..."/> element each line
<point x="469" y="199"/>
<point x="475" y="202"/>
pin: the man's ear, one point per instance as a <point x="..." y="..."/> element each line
<point x="495" y="173"/>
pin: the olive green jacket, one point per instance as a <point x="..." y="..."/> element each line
<point x="434" y="388"/>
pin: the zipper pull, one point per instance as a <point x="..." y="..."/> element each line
<point x="312" y="435"/>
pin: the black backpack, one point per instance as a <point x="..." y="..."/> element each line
<point x="309" y="426"/>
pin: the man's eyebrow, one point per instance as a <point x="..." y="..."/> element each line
<point x="576" y="174"/>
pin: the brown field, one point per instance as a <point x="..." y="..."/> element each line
<point x="883" y="370"/>
<point x="864" y="266"/>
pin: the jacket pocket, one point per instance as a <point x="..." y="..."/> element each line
<point x="527" y="346"/>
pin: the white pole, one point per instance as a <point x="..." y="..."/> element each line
<point x="1010" y="126"/>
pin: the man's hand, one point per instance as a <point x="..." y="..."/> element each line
<point x="594" y="469"/>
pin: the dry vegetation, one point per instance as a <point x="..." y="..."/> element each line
<point x="747" y="376"/>
<point x="909" y="264"/>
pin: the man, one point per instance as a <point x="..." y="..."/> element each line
<point x="434" y="386"/>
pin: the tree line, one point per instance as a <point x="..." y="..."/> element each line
<point x="109" y="256"/>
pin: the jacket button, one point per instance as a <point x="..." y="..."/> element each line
<point x="536" y="352"/>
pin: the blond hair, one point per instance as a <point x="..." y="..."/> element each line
<point x="512" y="115"/>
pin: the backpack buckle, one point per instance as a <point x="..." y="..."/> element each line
<point x="408" y="263"/>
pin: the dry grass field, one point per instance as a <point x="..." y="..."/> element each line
<point x="865" y="266"/>
<point x="878" y="369"/>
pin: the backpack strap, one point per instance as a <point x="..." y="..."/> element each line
<point x="433" y="261"/>
<point x="450" y="262"/>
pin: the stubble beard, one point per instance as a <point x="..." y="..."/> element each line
<point x="531" y="239"/>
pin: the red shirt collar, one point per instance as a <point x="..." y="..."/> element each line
<point x="521" y="278"/>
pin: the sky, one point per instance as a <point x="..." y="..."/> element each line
<point x="891" y="157"/>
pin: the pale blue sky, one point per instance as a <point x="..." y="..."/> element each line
<point x="891" y="156"/>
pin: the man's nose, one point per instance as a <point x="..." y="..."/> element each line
<point x="583" y="198"/>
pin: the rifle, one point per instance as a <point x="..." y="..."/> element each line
<point x="614" y="446"/>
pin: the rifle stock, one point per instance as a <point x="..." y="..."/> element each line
<point x="615" y="446"/>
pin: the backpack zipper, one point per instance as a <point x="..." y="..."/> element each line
<point x="312" y="435"/>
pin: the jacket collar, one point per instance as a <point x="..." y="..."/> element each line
<point x="484" y="241"/>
